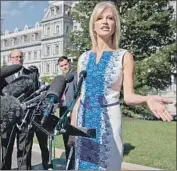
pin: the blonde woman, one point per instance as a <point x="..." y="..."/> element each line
<point x="108" y="68"/>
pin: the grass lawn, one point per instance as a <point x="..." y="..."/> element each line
<point x="149" y="143"/>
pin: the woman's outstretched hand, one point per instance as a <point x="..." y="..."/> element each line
<point x="157" y="105"/>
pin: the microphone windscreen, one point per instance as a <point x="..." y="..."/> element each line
<point x="69" y="77"/>
<point x="22" y="84"/>
<point x="9" y="70"/>
<point x="10" y="113"/>
<point x="57" y="88"/>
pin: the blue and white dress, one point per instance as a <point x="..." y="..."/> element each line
<point x="100" y="109"/>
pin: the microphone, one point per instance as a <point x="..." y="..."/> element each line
<point x="32" y="102"/>
<point x="9" y="70"/>
<point x="37" y="92"/>
<point x="58" y="85"/>
<point x="69" y="77"/>
<point x="55" y="92"/>
<point x="36" y="103"/>
<point x="11" y="112"/>
<point x="21" y="86"/>
<point x="82" y="75"/>
<point x="43" y="88"/>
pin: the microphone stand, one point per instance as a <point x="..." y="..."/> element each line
<point x="58" y="129"/>
<point x="50" y="137"/>
<point x="62" y="127"/>
<point x="33" y="122"/>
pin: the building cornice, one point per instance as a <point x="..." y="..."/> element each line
<point x="21" y="46"/>
<point x="32" y="61"/>
<point x="21" y="32"/>
<point x="46" y="58"/>
<point x="55" y="18"/>
<point x="46" y="38"/>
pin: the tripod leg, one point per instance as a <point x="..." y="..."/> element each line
<point x="7" y="140"/>
<point x="50" y="165"/>
<point x="24" y="149"/>
<point x="0" y="152"/>
<point x="69" y="157"/>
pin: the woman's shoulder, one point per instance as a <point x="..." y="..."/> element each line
<point x="84" y="55"/>
<point x="122" y="52"/>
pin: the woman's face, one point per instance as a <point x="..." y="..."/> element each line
<point x="105" y="23"/>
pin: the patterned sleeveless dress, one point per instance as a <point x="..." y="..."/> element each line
<point x="100" y="109"/>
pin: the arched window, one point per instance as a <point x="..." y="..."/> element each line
<point x="48" y="50"/>
<point x="48" y="31"/>
<point x="67" y="29"/>
<point x="52" y="11"/>
<point x="57" y="29"/>
<point x="29" y="56"/>
<point x="47" y="68"/>
<point x="56" y="49"/>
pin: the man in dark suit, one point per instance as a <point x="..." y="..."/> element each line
<point x="16" y="57"/>
<point x="67" y="98"/>
<point x="41" y="136"/>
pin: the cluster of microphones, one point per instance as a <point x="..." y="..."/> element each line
<point x="19" y="96"/>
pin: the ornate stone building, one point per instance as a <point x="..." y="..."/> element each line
<point x="44" y="43"/>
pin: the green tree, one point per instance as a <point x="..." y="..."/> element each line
<point x="147" y="31"/>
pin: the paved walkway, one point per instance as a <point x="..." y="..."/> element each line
<point x="36" y="159"/>
<point x="60" y="161"/>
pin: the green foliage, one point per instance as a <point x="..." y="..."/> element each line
<point x="147" y="31"/>
<point x="146" y="26"/>
<point x="155" y="71"/>
<point x="47" y="79"/>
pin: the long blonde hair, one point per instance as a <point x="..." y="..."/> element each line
<point x="99" y="8"/>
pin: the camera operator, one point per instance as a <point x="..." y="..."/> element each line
<point x="16" y="57"/>
<point x="41" y="136"/>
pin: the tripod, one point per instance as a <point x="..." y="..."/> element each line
<point x="34" y="107"/>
